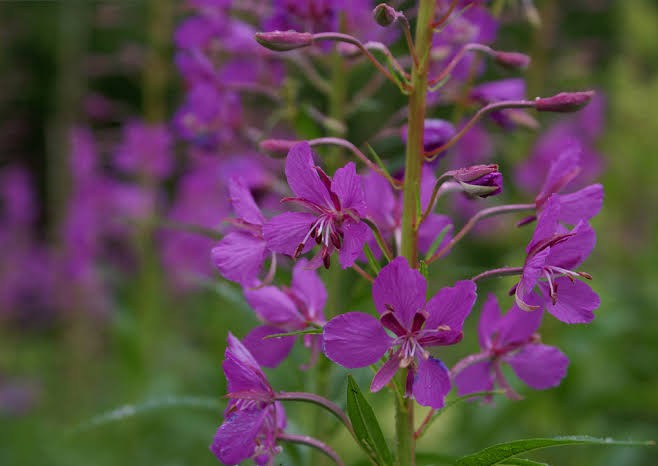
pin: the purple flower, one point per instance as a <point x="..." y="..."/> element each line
<point x="336" y="206"/>
<point x="504" y="89"/>
<point x="145" y="150"/>
<point x="511" y="339"/>
<point x="356" y="339"/>
<point x="580" y="205"/>
<point x="385" y="210"/>
<point x="253" y="418"/>
<point x="286" y="310"/>
<point x="239" y="255"/>
<point x="436" y="133"/>
<point x="552" y="256"/>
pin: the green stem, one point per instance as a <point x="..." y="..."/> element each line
<point x="404" y="418"/>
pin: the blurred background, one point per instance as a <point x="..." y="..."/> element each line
<point x="109" y="202"/>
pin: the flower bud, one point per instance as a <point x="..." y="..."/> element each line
<point x="437" y="132"/>
<point x="480" y="180"/>
<point x="282" y="41"/>
<point x="564" y="102"/>
<point x="512" y="59"/>
<point x="384" y="15"/>
<point x="276" y="147"/>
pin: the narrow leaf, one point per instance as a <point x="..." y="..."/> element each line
<point x="309" y="331"/>
<point x="381" y="165"/>
<point x="523" y="462"/>
<point x="372" y="262"/>
<point x="497" y="454"/>
<point x="437" y="241"/>
<point x="365" y="425"/>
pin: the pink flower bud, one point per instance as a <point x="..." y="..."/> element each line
<point x="480" y="180"/>
<point x="472" y="173"/>
<point x="282" y="41"/>
<point x="384" y="14"/>
<point x="512" y="59"/>
<point x="564" y="102"/>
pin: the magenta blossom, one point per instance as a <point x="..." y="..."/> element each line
<point x="356" y="339"/>
<point x="552" y="256"/>
<point x="580" y="205"/>
<point x="239" y="255"/>
<point x="336" y="206"/>
<point x="511" y="339"/>
<point x="286" y="310"/>
<point x="253" y="419"/>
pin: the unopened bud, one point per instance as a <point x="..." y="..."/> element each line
<point x="480" y="180"/>
<point x="512" y="59"/>
<point x="276" y="147"/>
<point x="564" y="102"/>
<point x="384" y="14"/>
<point x="282" y="41"/>
<point x="437" y="133"/>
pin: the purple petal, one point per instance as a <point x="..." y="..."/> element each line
<point x="274" y="307"/>
<point x="285" y="232"/>
<point x="355" y="237"/>
<point x="451" y="305"/>
<point x="431" y="383"/>
<point x="303" y="177"/>
<point x="532" y="270"/>
<point x="401" y="287"/>
<point x="477" y="377"/>
<point x="547" y="222"/>
<point x="269" y="352"/>
<point x="427" y="182"/>
<point x="574" y="250"/>
<point x="488" y="322"/>
<point x="563" y="169"/>
<point x="384" y="374"/>
<point x="575" y="301"/>
<point x="239" y="257"/>
<point x="518" y="326"/>
<point x="380" y="200"/>
<point x="581" y="205"/>
<point x="440" y="337"/>
<point x="235" y="440"/>
<point x="307" y="286"/>
<point x="349" y="188"/>
<point x="430" y="229"/>
<point x="539" y="366"/>
<point x="355" y="339"/>
<point x="243" y="202"/>
<point x="243" y="374"/>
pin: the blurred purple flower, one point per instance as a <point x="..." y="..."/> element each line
<point x="511" y="339"/>
<point x="436" y="133"/>
<point x="356" y="339"/>
<point x="145" y="151"/>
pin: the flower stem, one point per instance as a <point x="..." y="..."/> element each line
<point x="490" y="212"/>
<point x="414" y="158"/>
<point x="312" y="442"/>
<point x="501" y="272"/>
<point x="319" y="401"/>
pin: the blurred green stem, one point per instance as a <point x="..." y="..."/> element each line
<point x="156" y="67"/>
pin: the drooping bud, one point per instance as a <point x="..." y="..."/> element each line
<point x="384" y="14"/>
<point x="564" y="102"/>
<point x="480" y="180"/>
<point x="512" y="59"/>
<point x="282" y="41"/>
<point x="276" y="147"/>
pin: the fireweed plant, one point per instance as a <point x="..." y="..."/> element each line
<point x="352" y="210"/>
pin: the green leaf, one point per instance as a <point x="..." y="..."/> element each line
<point x="126" y="411"/>
<point x="371" y="259"/>
<point x="437" y="242"/>
<point x="434" y="459"/>
<point x="365" y="425"/>
<point x="523" y="462"/>
<point x="423" y="268"/>
<point x="309" y="331"/>
<point x="497" y="454"/>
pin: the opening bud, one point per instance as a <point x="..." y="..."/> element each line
<point x="276" y="147"/>
<point x="384" y="14"/>
<point x="512" y="59"/>
<point x="282" y="41"/>
<point x="564" y="102"/>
